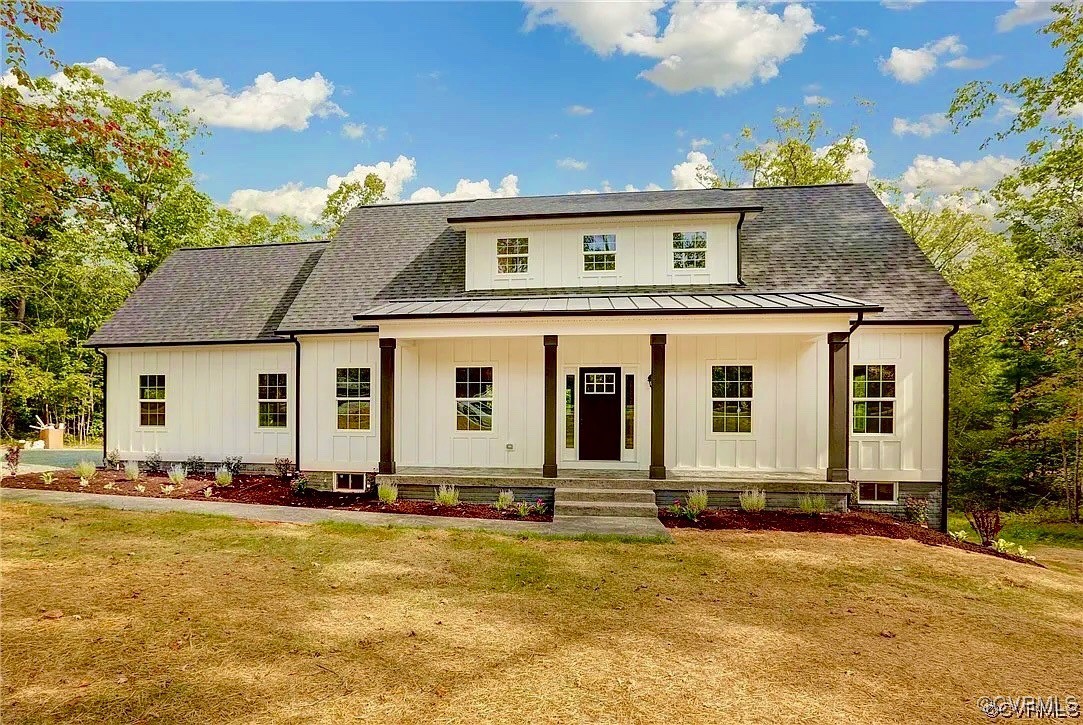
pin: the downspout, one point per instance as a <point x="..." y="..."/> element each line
<point x="296" y="403"/>
<point x="740" y="223"/>
<point x="944" y="425"/>
<point x="105" y="404"/>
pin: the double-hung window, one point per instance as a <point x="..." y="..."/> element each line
<point x="474" y="398"/>
<point x="353" y="396"/>
<point x="874" y="399"/>
<point x="152" y="400"/>
<point x="599" y="252"/>
<point x="512" y="255"/>
<point x="271" y="395"/>
<point x="689" y="250"/>
<point x="731" y="398"/>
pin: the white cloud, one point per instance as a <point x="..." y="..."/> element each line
<point x="860" y="32"/>
<point x="264" y="105"/>
<point x="901" y="4"/>
<point x="685" y="175"/>
<point x="699" y="143"/>
<point x="1025" y="12"/>
<point x="572" y="164"/>
<point x="608" y="189"/>
<point x="910" y="65"/>
<point x="944" y="176"/>
<point x="720" y="46"/>
<point x="965" y="63"/>
<point x="578" y="110"/>
<point x="353" y="130"/>
<point x="859" y="163"/>
<point x="467" y="189"/>
<point x="817" y="101"/>
<point x="836" y="38"/>
<point x="928" y="125"/>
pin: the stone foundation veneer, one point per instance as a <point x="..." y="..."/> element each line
<point x="320" y="480"/>
<point x="929" y="490"/>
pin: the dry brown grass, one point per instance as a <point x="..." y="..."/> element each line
<point x="181" y="618"/>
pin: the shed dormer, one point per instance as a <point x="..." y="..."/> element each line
<point x="602" y="247"/>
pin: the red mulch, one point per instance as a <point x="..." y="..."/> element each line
<point x="258" y="489"/>
<point x="852" y="523"/>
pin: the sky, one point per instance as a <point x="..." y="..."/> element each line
<point x="460" y="100"/>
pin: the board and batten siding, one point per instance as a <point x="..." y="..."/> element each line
<point x="211" y="402"/>
<point x="914" y="451"/>
<point x="644" y="253"/>
<point x="323" y="446"/>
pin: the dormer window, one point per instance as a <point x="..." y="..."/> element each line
<point x="512" y="255"/>
<point x="689" y="250"/>
<point x="599" y="252"/>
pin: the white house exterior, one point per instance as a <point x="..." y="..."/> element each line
<point x="793" y="339"/>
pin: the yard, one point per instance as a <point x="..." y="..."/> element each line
<point x="129" y="617"/>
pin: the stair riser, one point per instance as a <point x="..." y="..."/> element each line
<point x="591" y="508"/>
<point x="612" y="484"/>
<point x="599" y="495"/>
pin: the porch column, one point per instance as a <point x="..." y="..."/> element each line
<point x="549" y="467"/>
<point x="387" y="405"/>
<point x="658" y="407"/>
<point x="838" y="406"/>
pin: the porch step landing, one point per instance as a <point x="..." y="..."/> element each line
<point x="624" y="502"/>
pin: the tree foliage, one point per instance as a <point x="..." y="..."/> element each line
<point x="348" y="195"/>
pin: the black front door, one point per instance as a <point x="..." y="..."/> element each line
<point x="599" y="414"/>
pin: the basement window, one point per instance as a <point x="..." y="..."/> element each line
<point x="351" y="482"/>
<point x="474" y="398"/>
<point x="152" y="401"/>
<point x="272" y="400"/>
<point x="512" y="255"/>
<point x="870" y="492"/>
<point x="874" y="399"/>
<point x="353" y="397"/>
<point x="731" y="398"/>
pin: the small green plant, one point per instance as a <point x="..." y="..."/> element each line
<point x="504" y="500"/>
<point x="299" y="485"/>
<point x="167" y="488"/>
<point x="112" y="459"/>
<point x="959" y="535"/>
<point x="233" y="464"/>
<point x="195" y="464"/>
<point x="85" y="470"/>
<point x="11" y="459"/>
<point x="754" y="500"/>
<point x="178" y="474"/>
<point x="47" y="478"/>
<point x="131" y="470"/>
<point x="223" y="476"/>
<point x="208" y="491"/>
<point x="447" y="495"/>
<point x="140" y="488"/>
<point x="916" y="508"/>
<point x="153" y="463"/>
<point x="524" y="509"/>
<point x="284" y="468"/>
<point x="387" y="492"/>
<point x="810" y="504"/>
<point x="697" y="502"/>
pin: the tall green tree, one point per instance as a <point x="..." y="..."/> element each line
<point x="348" y="195"/>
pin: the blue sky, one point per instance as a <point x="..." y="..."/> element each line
<point x="428" y="94"/>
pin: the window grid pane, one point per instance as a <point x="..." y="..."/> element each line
<point x="353" y="393"/>
<point x="629" y="412"/>
<point x="731" y="398"/>
<point x="872" y="491"/>
<point x="569" y="411"/>
<point x="151" y="413"/>
<point x="152" y="400"/>
<point x="599" y="252"/>
<point x="271" y="394"/>
<point x="473" y="398"/>
<point x="689" y="250"/>
<point x="512" y="255"/>
<point x="874" y="399"/>
<point x="599" y="383"/>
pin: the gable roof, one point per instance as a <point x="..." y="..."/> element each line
<point x="836" y="238"/>
<point x="213" y="295"/>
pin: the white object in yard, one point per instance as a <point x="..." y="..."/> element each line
<point x="35" y="445"/>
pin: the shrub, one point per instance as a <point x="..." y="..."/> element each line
<point x="299" y="485"/>
<point x="153" y="463"/>
<point x="85" y="470"/>
<point x="112" y="459"/>
<point x="754" y="500"/>
<point x="810" y="504"/>
<point x="195" y="464"/>
<point x="387" y="492"/>
<point x="178" y="474"/>
<point x="47" y="478"/>
<point x="223" y="476"/>
<point x="447" y="495"/>
<point x="232" y="464"/>
<point x="11" y="459"/>
<point x="916" y="509"/>
<point x="131" y="471"/>
<point x="504" y="500"/>
<point x="284" y="468"/>
<point x="985" y="521"/>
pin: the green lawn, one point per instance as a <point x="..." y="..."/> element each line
<point x="112" y="616"/>
<point x="1023" y="530"/>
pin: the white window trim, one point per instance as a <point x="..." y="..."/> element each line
<point x="615" y="272"/>
<point x="455" y="432"/>
<point x="894" y="435"/>
<point x="287" y="400"/>
<point x="705" y="269"/>
<point x="497" y="256"/>
<point x="709" y="376"/>
<point x="139" y="405"/>
<point x="371" y="430"/>
<point x="872" y="502"/>
<point x="336" y="474"/>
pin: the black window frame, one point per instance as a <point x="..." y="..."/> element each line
<point x="152" y="405"/>
<point x="875" y="391"/>
<point x="353" y="389"/>
<point x="272" y="401"/>
<point x="475" y="390"/>
<point x="732" y="396"/>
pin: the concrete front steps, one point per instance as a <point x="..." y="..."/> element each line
<point x="608" y="501"/>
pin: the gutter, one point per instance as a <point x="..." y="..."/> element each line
<point x="944" y="426"/>
<point x="296" y="403"/>
<point x="740" y="223"/>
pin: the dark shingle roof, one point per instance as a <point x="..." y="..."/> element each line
<point x="216" y="294"/>
<point x="836" y="238"/>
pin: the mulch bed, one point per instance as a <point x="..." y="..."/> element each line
<point x="852" y="523"/>
<point x="257" y="489"/>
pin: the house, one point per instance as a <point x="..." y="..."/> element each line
<point x="616" y="349"/>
